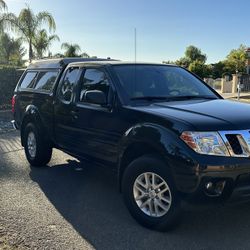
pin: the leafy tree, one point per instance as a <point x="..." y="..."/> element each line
<point x="183" y="62"/>
<point x="200" y="69"/>
<point x="236" y="60"/>
<point x="71" y="50"/>
<point x="193" y="59"/>
<point x="27" y="24"/>
<point x="218" y="69"/>
<point x="11" y="50"/>
<point x="193" y="53"/>
<point x="42" y="42"/>
<point x="169" y="62"/>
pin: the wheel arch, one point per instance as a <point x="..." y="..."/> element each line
<point x="31" y="115"/>
<point x="142" y="139"/>
<point x="134" y="151"/>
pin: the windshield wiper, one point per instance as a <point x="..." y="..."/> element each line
<point x="187" y="97"/>
<point x="173" y="98"/>
<point x="149" y="98"/>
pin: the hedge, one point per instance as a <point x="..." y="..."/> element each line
<point x="8" y="80"/>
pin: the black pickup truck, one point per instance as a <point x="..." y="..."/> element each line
<point x="168" y="134"/>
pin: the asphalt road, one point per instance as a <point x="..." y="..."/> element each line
<point x="68" y="205"/>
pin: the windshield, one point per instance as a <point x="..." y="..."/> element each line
<point x="151" y="82"/>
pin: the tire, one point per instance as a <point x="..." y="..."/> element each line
<point x="37" y="150"/>
<point x="157" y="219"/>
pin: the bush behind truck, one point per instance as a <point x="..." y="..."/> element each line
<point x="9" y="77"/>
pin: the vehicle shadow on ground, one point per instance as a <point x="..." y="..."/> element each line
<point x="87" y="197"/>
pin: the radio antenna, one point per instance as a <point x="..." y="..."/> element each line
<point x="135" y="62"/>
<point x="135" y="46"/>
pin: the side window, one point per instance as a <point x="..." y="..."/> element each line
<point x="28" y="80"/>
<point x="67" y="86"/>
<point x="94" y="79"/>
<point x="46" y="80"/>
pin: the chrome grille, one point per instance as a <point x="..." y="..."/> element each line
<point x="237" y="142"/>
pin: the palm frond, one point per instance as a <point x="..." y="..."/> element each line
<point x="3" y="5"/>
<point x="45" y="17"/>
<point x="65" y="46"/>
<point x="9" y="21"/>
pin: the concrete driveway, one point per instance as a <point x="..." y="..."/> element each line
<point x="69" y="205"/>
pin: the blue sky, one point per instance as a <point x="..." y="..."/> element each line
<point x="164" y="27"/>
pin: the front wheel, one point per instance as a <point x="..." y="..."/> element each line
<point x="150" y="194"/>
<point x="38" y="151"/>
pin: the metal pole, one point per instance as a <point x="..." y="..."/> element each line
<point x="239" y="87"/>
<point x="135" y="46"/>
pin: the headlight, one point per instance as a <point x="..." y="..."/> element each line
<point x="209" y="143"/>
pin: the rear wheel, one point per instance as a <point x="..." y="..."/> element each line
<point x="38" y="151"/>
<point x="150" y="194"/>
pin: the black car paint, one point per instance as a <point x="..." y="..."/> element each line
<point x="106" y="133"/>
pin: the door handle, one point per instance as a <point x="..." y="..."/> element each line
<point x="74" y="114"/>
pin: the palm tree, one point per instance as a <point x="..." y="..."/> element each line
<point x="85" y="55"/>
<point x="42" y="42"/>
<point x="27" y="24"/>
<point x="71" y="50"/>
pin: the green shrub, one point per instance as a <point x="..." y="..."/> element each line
<point x="8" y="80"/>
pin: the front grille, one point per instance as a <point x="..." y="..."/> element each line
<point x="237" y="142"/>
<point x="234" y="143"/>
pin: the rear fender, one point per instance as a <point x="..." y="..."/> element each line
<point x="31" y="114"/>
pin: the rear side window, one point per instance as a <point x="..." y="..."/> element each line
<point x="46" y="80"/>
<point x="28" y="80"/>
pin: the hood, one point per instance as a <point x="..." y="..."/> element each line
<point x="204" y="115"/>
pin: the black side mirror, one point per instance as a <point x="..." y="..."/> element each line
<point x="67" y="95"/>
<point x="95" y="96"/>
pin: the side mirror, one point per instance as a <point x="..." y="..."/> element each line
<point x="67" y="95"/>
<point x="96" y="97"/>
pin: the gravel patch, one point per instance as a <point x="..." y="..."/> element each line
<point x="5" y="126"/>
<point x="5" y="121"/>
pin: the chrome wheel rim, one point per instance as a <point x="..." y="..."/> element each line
<point x="31" y="143"/>
<point x="152" y="194"/>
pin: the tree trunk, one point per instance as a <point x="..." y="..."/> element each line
<point x="30" y="51"/>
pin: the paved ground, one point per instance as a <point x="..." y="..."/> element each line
<point x="68" y="205"/>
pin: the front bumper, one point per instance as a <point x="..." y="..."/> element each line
<point x="229" y="169"/>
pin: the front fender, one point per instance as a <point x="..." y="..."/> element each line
<point x="169" y="146"/>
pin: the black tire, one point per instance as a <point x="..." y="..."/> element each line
<point x="150" y="163"/>
<point x="43" y="150"/>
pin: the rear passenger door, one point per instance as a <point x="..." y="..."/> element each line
<point x="66" y="136"/>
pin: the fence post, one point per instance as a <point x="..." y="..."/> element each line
<point x="235" y="83"/>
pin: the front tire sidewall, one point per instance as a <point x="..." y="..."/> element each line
<point x="136" y="168"/>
